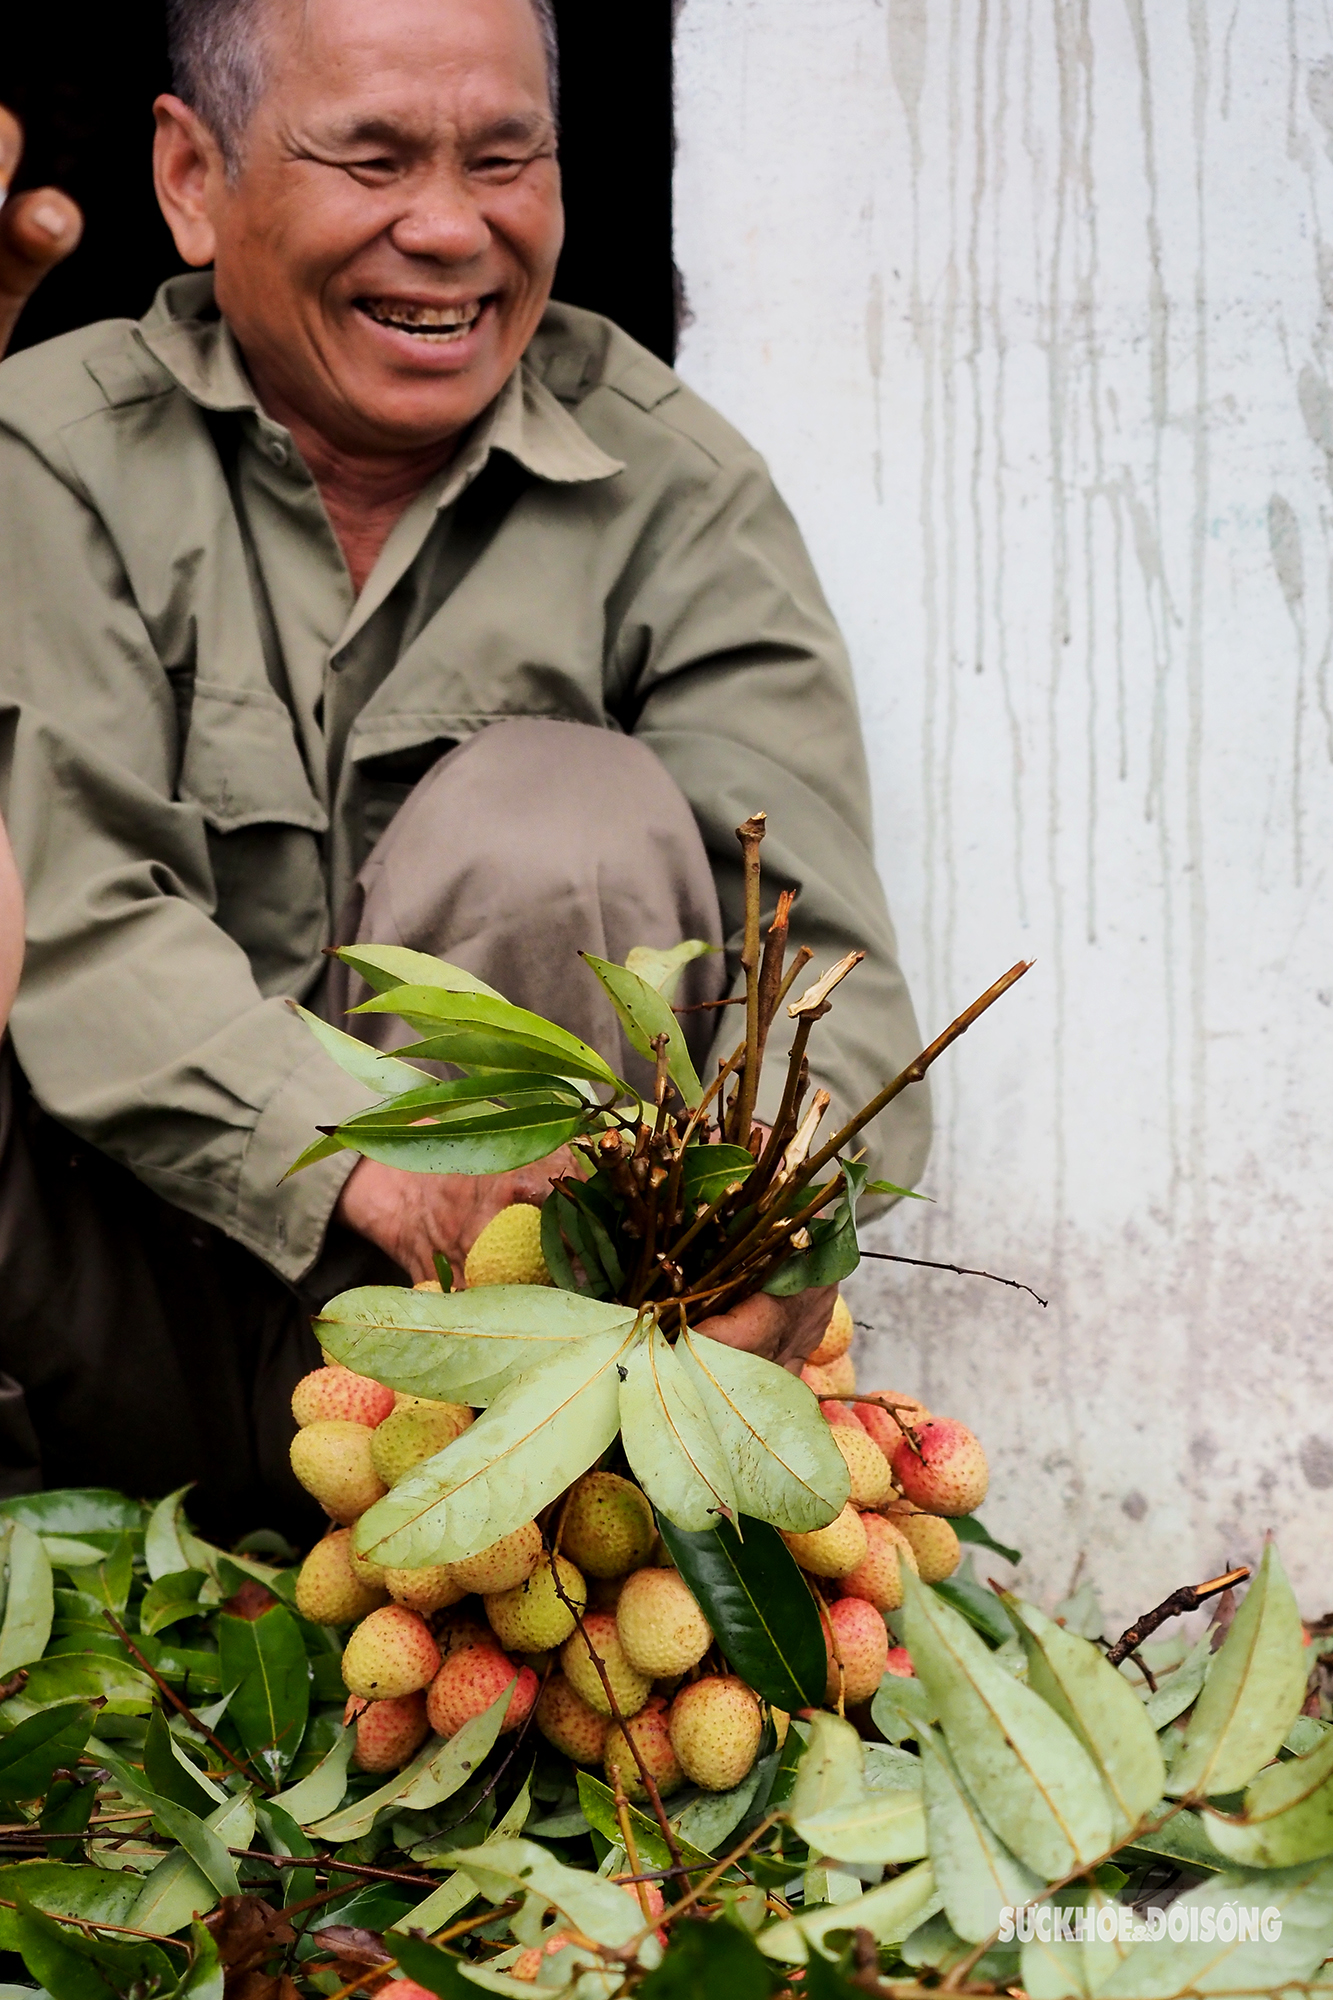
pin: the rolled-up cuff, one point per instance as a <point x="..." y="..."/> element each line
<point x="284" y="1221"/>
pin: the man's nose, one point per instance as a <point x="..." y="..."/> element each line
<point x="444" y="221"/>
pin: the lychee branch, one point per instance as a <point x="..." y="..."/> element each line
<point x="959" y="1270"/>
<point x="1188" y="1598"/>
<point x="182" y="1708"/>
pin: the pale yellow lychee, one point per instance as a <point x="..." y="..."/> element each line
<point x="509" y="1250"/>
<point x="569" y="1724"/>
<point x="878" y="1577"/>
<point x="630" y="1687"/>
<point x="933" y="1541"/>
<point x="339" y="1395"/>
<point x="652" y="1738"/>
<point x="834" y="1378"/>
<point x="503" y="1564"/>
<point x="390" y="1654"/>
<point x="328" y="1591"/>
<point x="837" y="1337"/>
<point x="715" y="1728"/>
<point x="534" y="1616"/>
<point x="831" y="1551"/>
<point x="425" y="1590"/>
<point x="365" y="1569"/>
<point x="662" y="1628"/>
<point x="609" y="1527"/>
<point x="414" y="1432"/>
<point x="332" y="1459"/>
<point x="871" y="1481"/>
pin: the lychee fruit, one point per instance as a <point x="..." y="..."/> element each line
<point x="533" y="1616"/>
<point x="388" y="1732"/>
<point x="715" y="1727"/>
<point x="332" y="1459"/>
<point x="838" y="1413"/>
<point x="414" y="1432"/>
<point x="649" y="1732"/>
<point x="781" y="1721"/>
<point x="833" y="1378"/>
<point x="336" y="1394"/>
<point x="569" y="1724"/>
<point x="872" y="1482"/>
<point x="328" y="1591"/>
<point x="509" y="1250"/>
<point x="945" y="1470"/>
<point x="662" y="1629"/>
<point x="391" y="1653"/>
<point x="933" y="1541"/>
<point x="630" y="1687"/>
<point x="898" y="1661"/>
<point x="430" y="1589"/>
<point x="855" y="1634"/>
<point x="646" y="1896"/>
<point x="884" y="1422"/>
<point x="503" y="1564"/>
<point x="366" y="1570"/>
<point x="837" y="1336"/>
<point x="832" y="1551"/>
<point x="467" y="1684"/>
<point x="879" y="1576"/>
<point x="609" y="1527"/>
<point x="458" y="1633"/>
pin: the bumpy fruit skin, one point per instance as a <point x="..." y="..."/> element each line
<point x="878" y="1578"/>
<point x="650" y="1734"/>
<point x="391" y="1653"/>
<point x="505" y="1563"/>
<point x="662" y="1629"/>
<point x="332" y="1459"/>
<point x="372" y="1574"/>
<point x="630" y="1687"/>
<point x="533" y="1617"/>
<point x="328" y="1592"/>
<point x="509" y="1250"/>
<point x="947" y="1472"/>
<point x="414" y="1433"/>
<point x="569" y="1724"/>
<point x="879" y="1420"/>
<point x="898" y="1661"/>
<point x="388" y="1732"/>
<point x="458" y="1633"/>
<point x="412" y="1991"/>
<point x="855" y="1634"/>
<point x="838" y="1413"/>
<point x="337" y="1394"/>
<point x="837" y="1337"/>
<point x="834" y="1378"/>
<point x="467" y="1684"/>
<point x="425" y="1590"/>
<point x="868" y="1468"/>
<point x="933" y="1541"/>
<point x="609" y="1527"/>
<point x="715" y="1728"/>
<point x="832" y="1551"/>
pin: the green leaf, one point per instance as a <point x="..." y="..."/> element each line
<point x="503" y="1868"/>
<point x="673" y="1450"/>
<point x="432" y="1968"/>
<point x="980" y="1607"/>
<point x="169" y="1600"/>
<point x="537" y="1437"/>
<point x="124" y="1690"/>
<point x="64" y="1889"/>
<point x="662" y="969"/>
<point x="264" y="1660"/>
<point x="786" y="1468"/>
<point x="969" y="1529"/>
<point x="497" y="1143"/>
<point x="889" y="1913"/>
<point x="834" y="1812"/>
<point x="1255" y="1687"/>
<point x="283" y="1836"/>
<point x="437" y="1014"/>
<point x="458" y="1346"/>
<point x="708" y="1171"/>
<point x="204" y="1980"/>
<point x="73" y="1510"/>
<point x="321" y="1791"/>
<point x="705" y="1823"/>
<point x="385" y="1074"/>
<point x="202" y="1845"/>
<point x="598" y="1806"/>
<point x="73" y="1966"/>
<point x="1182" y="1839"/>
<point x="645" y="1015"/>
<point x="759" y="1606"/>
<point x="1029" y="1774"/>
<point x="67" y="1553"/>
<point x="1287" y="1814"/>
<point x="385" y="966"/>
<point x="51" y="1739"/>
<point x="1100" y="1706"/>
<point x="163" y="1551"/>
<point x="710" y="1962"/>
<point x="178" y="1889"/>
<point x="978" y="1875"/>
<point x="833" y="1254"/>
<point x="437" y="1771"/>
<point x="457" y="1890"/>
<point x="1176" y="1693"/>
<point x="1165" y="1970"/>
<point x="29" y="1600"/>
<point x="172" y="1775"/>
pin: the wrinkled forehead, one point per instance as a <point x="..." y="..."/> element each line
<point x="392" y="59"/>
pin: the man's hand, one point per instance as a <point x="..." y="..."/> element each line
<point x="411" y="1216"/>
<point x="782" y="1330"/>
<point x="37" y="230"/>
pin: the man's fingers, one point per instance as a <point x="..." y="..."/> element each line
<point x="37" y="230"/>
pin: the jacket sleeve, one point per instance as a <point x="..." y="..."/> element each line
<point x="138" y="1022"/>
<point x="736" y="676"/>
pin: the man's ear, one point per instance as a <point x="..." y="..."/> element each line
<point x="188" y="174"/>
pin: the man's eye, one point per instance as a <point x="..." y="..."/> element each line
<point x="499" y="163"/>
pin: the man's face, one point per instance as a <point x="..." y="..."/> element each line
<point x="388" y="246"/>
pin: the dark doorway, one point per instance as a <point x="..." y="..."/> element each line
<point x="87" y="74"/>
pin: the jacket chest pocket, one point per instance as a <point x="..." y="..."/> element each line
<point x="264" y="825"/>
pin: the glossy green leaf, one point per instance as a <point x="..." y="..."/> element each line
<point x="710" y="1962"/>
<point x="834" y="1812"/>
<point x="833" y="1254"/>
<point x="1028" y="1772"/>
<point x="63" y="1889"/>
<point x="969" y="1529"/>
<point x="73" y="1510"/>
<point x="536" y="1438"/>
<point x="1100" y="1706"/>
<point x="123" y="1689"/>
<point x="662" y="968"/>
<point x="1255" y="1687"/>
<point x="29" y="1599"/>
<point x="384" y="966"/>
<point x="708" y="1171"/>
<point x="496" y="1143"/>
<point x="786" y="1468"/>
<point x="503" y="1868"/>
<point x="171" y="1773"/>
<point x="889" y="1913"/>
<point x="52" y="1738"/>
<point x="433" y="1012"/>
<point x="68" y="1553"/>
<point x="199" y="1841"/>
<point x="381" y="1073"/>
<point x="1176" y="1693"/>
<point x="321" y="1791"/>
<point x="598" y="1804"/>
<point x="178" y="1889"/>
<point x="460" y="1099"/>
<point x="204" y="1979"/>
<point x="163" y="1550"/>
<point x="439" y="1769"/>
<point x="982" y="1608"/>
<point x="71" y="1965"/>
<point x="645" y="1016"/>
<point x="458" y="1346"/>
<point x="172" y="1598"/>
<point x="1288" y="1814"/>
<point x="1183" y="1839"/>
<point x="759" y="1606"/>
<point x="706" y="1824"/>
<point x="978" y="1875"/>
<point x="433" y="1968"/>
<point x="264" y="1660"/>
<point x="458" y="1890"/>
<point x="673" y="1450"/>
<point x="1165" y="1970"/>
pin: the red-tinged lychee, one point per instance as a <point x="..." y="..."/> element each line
<point x="509" y="1250"/>
<point x="630" y="1687"/>
<point x="391" y="1653"/>
<point x="455" y="1634"/>
<point x="933" y="1540"/>
<point x="838" y="1413"/>
<point x="569" y="1724"/>
<point x="837" y="1337"/>
<point x="467" y="1684"/>
<point x="898" y="1661"/>
<point x="328" y="1591"/>
<point x="332" y="1459"/>
<point x="832" y="1551"/>
<point x="535" y="1616"/>
<point x="649" y="1732"/>
<point x="646" y="1896"/>
<point x="337" y="1395"/>
<point x="411" y="1990"/>
<point x="872" y="1482"/>
<point x="413" y="1433"/>
<point x="715" y="1727"/>
<point x="389" y="1733"/>
<point x="662" y="1628"/>
<point x="855" y="1635"/>
<point x="424" y="1590"/>
<point x="609" y="1527"/>
<point x="503" y="1564"/>
<point x="832" y="1378"/>
<point x="945" y="1470"/>
<point x="879" y="1576"/>
<point x="883" y="1418"/>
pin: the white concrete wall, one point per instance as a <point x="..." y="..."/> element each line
<point x="1026" y="305"/>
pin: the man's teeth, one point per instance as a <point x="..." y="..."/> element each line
<point x="441" y="321"/>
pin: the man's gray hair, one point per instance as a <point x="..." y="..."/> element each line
<point x="218" y="62"/>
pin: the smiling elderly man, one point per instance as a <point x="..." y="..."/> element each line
<point x="359" y="591"/>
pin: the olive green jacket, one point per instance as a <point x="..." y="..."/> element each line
<point x="203" y="731"/>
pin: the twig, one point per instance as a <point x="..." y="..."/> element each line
<point x="715" y="1875"/>
<point x="1188" y="1598"/>
<point x="703" y="1007"/>
<point x="771" y="966"/>
<point x="320" y="1864"/>
<point x="750" y="833"/>
<point x="959" y="1270"/>
<point x="97" y="1924"/>
<point x="622" y="1805"/>
<point x="248" y="1772"/>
